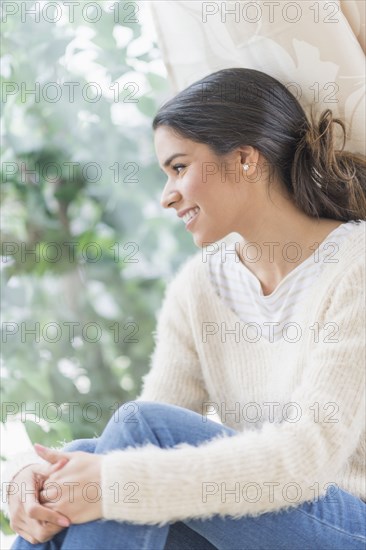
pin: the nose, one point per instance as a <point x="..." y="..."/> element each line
<point x="169" y="196"/>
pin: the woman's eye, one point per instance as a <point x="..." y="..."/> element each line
<point x="177" y="167"/>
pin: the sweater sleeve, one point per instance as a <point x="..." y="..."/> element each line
<point x="277" y="467"/>
<point x="175" y="374"/>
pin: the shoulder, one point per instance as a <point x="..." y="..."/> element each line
<point x="192" y="266"/>
<point x="352" y="250"/>
<point x="190" y="278"/>
<point x="343" y="283"/>
<point x="347" y="257"/>
<point x="355" y="241"/>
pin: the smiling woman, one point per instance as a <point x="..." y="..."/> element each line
<point x="240" y="156"/>
<point x="234" y="108"/>
<point x="246" y="153"/>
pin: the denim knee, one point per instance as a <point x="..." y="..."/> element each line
<point x="131" y="411"/>
<point x="87" y="445"/>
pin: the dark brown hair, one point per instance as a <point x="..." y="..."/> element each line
<point x="234" y="107"/>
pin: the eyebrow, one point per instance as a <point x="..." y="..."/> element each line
<point x="172" y="157"/>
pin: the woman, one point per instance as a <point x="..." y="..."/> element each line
<point x="268" y="333"/>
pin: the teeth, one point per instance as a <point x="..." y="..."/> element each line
<point x="190" y="214"/>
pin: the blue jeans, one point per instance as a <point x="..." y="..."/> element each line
<point x="336" y="523"/>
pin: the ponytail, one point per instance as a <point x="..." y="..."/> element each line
<point x="328" y="182"/>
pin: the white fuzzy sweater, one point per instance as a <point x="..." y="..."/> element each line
<point x="291" y="453"/>
<point x="285" y="462"/>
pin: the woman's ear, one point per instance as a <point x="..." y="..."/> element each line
<point x="249" y="155"/>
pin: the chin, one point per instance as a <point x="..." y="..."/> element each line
<point x="203" y="240"/>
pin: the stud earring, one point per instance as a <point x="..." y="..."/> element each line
<point x="245" y="167"/>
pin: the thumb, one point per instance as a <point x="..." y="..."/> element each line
<point x="47" y="470"/>
<point x="51" y="468"/>
<point x="49" y="454"/>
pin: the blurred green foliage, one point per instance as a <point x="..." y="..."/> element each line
<point x="86" y="248"/>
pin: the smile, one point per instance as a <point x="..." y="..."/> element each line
<point x="190" y="215"/>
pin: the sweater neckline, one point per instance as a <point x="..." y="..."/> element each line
<point x="296" y="270"/>
<point x="230" y="315"/>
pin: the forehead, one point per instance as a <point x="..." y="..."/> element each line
<point x="165" y="137"/>
<point x="167" y="143"/>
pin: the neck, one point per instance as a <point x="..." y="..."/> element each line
<point x="282" y="238"/>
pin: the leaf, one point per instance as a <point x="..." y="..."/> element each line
<point x="74" y="208"/>
<point x="157" y="82"/>
<point x="35" y="432"/>
<point x="5" y="524"/>
<point x="146" y="105"/>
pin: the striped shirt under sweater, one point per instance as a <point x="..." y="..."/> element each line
<point x="272" y="316"/>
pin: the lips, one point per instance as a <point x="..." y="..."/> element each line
<point x="181" y="213"/>
<point x="192" y="219"/>
<point x="190" y="214"/>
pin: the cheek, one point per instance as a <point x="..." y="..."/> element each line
<point x="193" y="187"/>
<point x="205" y="189"/>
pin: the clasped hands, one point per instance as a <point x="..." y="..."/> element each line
<point x="66" y="492"/>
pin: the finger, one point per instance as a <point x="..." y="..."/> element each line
<point x="17" y="525"/>
<point x="42" y="497"/>
<point x="41" y="513"/>
<point x="48" y="454"/>
<point x="58" y="465"/>
<point x="51" y="505"/>
<point x="41" y="477"/>
<point x="49" y="494"/>
<point x="50" y="528"/>
<point x="27" y="536"/>
<point x="45" y="531"/>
